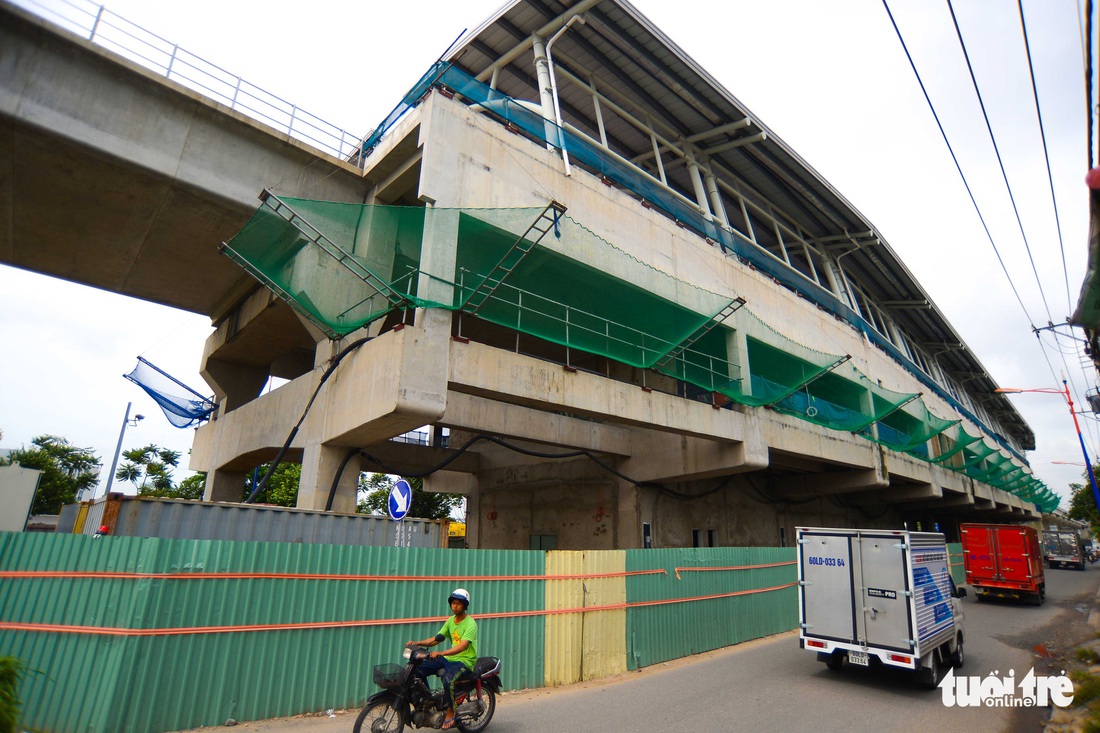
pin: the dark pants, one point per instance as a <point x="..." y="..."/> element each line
<point x="448" y="671"/>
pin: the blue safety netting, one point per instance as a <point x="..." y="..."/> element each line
<point x="182" y="405"/>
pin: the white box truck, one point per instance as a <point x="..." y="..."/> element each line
<point x="874" y="596"/>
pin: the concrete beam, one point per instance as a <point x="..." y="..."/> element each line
<point x="958" y="500"/>
<point x="508" y="377"/>
<point x="406" y="458"/>
<point x="900" y="495"/>
<point x="155" y="175"/>
<point x="480" y="414"/>
<point x="827" y="484"/>
<point x="660" y="457"/>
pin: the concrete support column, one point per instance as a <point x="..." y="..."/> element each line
<point x="319" y="466"/>
<point x="225" y="486"/>
<point x="235" y="384"/>
<point x="628" y="522"/>
<point x="464" y="484"/>
<point x="737" y="352"/>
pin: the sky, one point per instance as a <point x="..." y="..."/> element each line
<point x="830" y="79"/>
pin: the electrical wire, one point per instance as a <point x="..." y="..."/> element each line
<point x="1000" y="162"/>
<point x="261" y="485"/>
<point x="955" y="158"/>
<point x="1046" y="152"/>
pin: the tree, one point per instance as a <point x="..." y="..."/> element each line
<point x="425" y="504"/>
<point x="152" y="466"/>
<point x="66" y="470"/>
<point x="1082" y="505"/>
<point x="192" y="487"/>
<point x="282" y="487"/>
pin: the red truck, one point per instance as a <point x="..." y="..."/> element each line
<point x="1003" y="560"/>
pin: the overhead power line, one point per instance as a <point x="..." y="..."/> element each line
<point x="1000" y="162"/>
<point x="1046" y="154"/>
<point x="958" y="167"/>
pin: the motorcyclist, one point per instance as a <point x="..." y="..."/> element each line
<point x="460" y="657"/>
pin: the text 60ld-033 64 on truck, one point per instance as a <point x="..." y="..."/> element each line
<point x="879" y="597"/>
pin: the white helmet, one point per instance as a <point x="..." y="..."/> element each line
<point x="460" y="594"/>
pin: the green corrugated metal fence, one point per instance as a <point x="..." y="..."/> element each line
<point x="158" y="683"/>
<point x="694" y="622"/>
<point x="124" y="655"/>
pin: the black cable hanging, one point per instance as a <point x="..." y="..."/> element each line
<point x="262" y="484"/>
<point x="1000" y="162"/>
<point x="958" y="167"/>
<point x="386" y="468"/>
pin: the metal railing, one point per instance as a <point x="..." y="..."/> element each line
<point x="129" y="40"/>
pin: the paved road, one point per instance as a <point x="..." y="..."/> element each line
<point x="772" y="685"/>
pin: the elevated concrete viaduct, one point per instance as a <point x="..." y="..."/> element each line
<point x="116" y="178"/>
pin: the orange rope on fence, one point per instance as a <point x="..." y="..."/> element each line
<point x="311" y="625"/>
<point x="734" y="567"/>
<point x="83" y="574"/>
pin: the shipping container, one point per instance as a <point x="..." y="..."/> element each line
<point x="137" y="516"/>
<point x="1003" y="561"/>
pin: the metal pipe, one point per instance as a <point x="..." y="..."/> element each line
<point x="720" y="130"/>
<point x="546" y="94"/>
<point x="599" y="112"/>
<point x="118" y="448"/>
<point x="523" y="45"/>
<point x="716" y="204"/>
<point x="740" y="142"/>
<point x="554" y="88"/>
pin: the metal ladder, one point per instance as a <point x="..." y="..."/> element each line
<point x="332" y="249"/>
<point x="546" y="220"/>
<point x="732" y="307"/>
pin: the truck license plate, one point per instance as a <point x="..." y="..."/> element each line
<point x="859" y="658"/>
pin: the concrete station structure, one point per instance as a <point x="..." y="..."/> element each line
<point x="662" y="167"/>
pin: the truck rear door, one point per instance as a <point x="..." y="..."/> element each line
<point x="980" y="553"/>
<point x="1012" y="547"/>
<point x="883" y="618"/>
<point x="828" y="590"/>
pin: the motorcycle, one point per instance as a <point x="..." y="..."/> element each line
<point x="406" y="699"/>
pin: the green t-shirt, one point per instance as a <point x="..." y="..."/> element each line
<point x="457" y="632"/>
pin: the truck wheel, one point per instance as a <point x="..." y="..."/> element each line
<point x="930" y="676"/>
<point x="957" y="656"/>
<point x="835" y="661"/>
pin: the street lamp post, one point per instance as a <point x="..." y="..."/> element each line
<point x="118" y="449"/>
<point x="1073" y="413"/>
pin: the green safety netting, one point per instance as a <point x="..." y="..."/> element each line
<point x="777" y="367"/>
<point x="996" y="465"/>
<point x="345" y="265"/>
<point x="844" y="399"/>
<point x="952" y="448"/>
<point x="539" y="272"/>
<point x="973" y="455"/>
<point x="909" y="428"/>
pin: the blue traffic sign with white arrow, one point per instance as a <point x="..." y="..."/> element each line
<point x="400" y="500"/>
